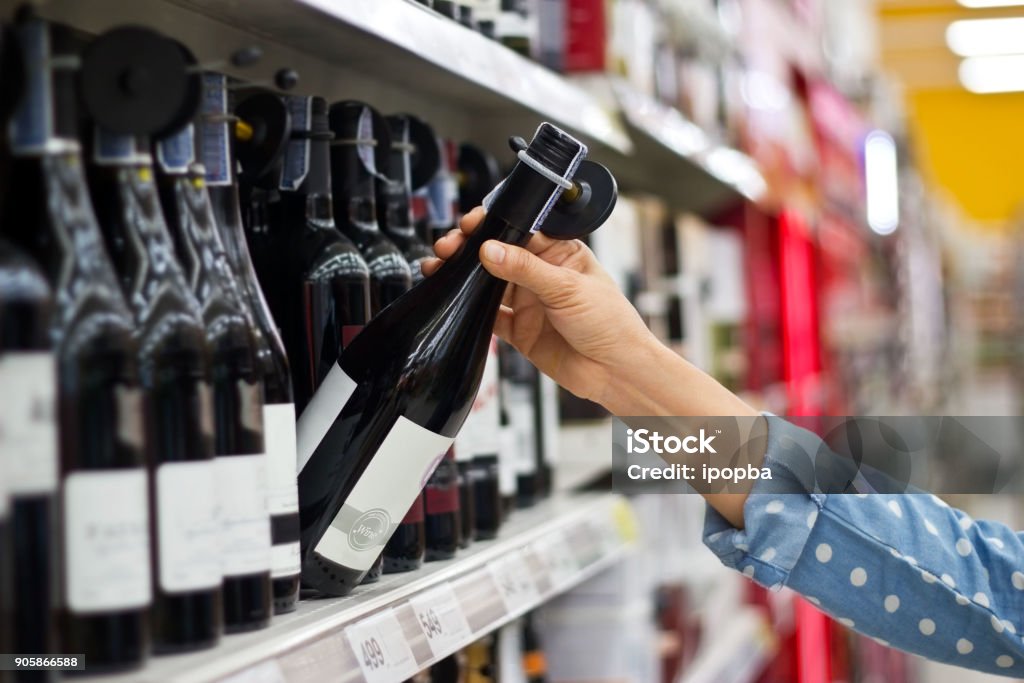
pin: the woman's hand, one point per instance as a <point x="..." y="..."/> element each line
<point x="561" y="310"/>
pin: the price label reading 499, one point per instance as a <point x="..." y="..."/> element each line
<point x="42" y="662"/>
<point x="381" y="649"/>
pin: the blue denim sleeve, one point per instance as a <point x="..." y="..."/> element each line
<point x="907" y="570"/>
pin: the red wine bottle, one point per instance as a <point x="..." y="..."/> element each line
<point x="441" y="195"/>
<point x="442" y="518"/>
<point x="394" y="195"/>
<point x="28" y="458"/>
<point x="239" y="446"/>
<point x="174" y="375"/>
<point x="217" y="155"/>
<point x="106" y="581"/>
<point x="480" y="440"/>
<point x="519" y="378"/>
<point x="316" y="280"/>
<point x="412" y="374"/>
<point x="354" y="177"/>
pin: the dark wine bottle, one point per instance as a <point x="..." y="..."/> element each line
<point x="239" y="447"/>
<point x="317" y="281"/>
<point x="479" y="440"/>
<point x="28" y="460"/>
<point x="546" y="426"/>
<point x="441" y="195"/>
<point x="442" y="519"/>
<point x="217" y="157"/>
<point x="106" y="582"/>
<point x="394" y="195"/>
<point x="508" y="449"/>
<point x="174" y="374"/>
<point x="413" y="374"/>
<point x="353" y="179"/>
<point x="6" y="549"/>
<point x="519" y="378"/>
<point x="318" y="284"/>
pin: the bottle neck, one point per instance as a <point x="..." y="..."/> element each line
<point x="354" y="189"/>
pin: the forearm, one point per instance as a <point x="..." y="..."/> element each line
<point x="656" y="381"/>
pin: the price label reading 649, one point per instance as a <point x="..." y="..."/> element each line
<point x="42" y="662"/>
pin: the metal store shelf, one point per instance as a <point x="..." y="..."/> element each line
<point x="399" y="55"/>
<point x="541" y="552"/>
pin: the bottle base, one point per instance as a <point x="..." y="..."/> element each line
<point x="329" y="578"/>
<point x="397" y="566"/>
<point x="112" y="643"/>
<point x="486" y="534"/>
<point x="166" y="648"/>
<point x="247" y="602"/>
<point x="438" y="555"/>
<point x="286" y="594"/>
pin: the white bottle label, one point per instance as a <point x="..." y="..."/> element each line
<point x="282" y="490"/>
<point x="187" y="526"/>
<point x="279" y="434"/>
<point x="521" y="416"/>
<point x="244" y="522"/>
<point x="106" y="540"/>
<point x="321" y="412"/>
<point x="479" y="434"/>
<point x="285" y="560"/>
<point x="549" y="419"/>
<point x="507" y="457"/>
<point x="28" y="426"/>
<point x="398" y="472"/>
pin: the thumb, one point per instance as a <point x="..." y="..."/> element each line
<point x="552" y="284"/>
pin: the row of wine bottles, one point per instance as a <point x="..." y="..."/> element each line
<point x="183" y="259"/>
<point x="507" y="21"/>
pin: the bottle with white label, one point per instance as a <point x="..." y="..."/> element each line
<point x="316" y="281"/>
<point x="174" y="372"/>
<point x="519" y="378"/>
<point x="106" y="576"/>
<point x="412" y="376"/>
<point x="364" y="197"/>
<point x="28" y="456"/>
<point x="546" y="421"/>
<point x="480" y="440"/>
<point x="237" y="405"/>
<point x="216" y="153"/>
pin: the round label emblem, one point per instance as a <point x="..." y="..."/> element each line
<point x="369" y="529"/>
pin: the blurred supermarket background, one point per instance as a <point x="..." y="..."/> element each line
<point x="822" y="204"/>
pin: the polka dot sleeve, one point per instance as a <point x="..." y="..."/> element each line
<point x="907" y="570"/>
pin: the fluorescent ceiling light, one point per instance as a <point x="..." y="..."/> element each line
<point x="881" y="181"/>
<point x="977" y="37"/>
<point x="986" y="75"/>
<point x="981" y="4"/>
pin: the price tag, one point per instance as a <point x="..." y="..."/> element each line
<point x="607" y="537"/>
<point x="381" y="648"/>
<point x="558" y="557"/>
<point x="441" y="618"/>
<point x="515" y="584"/>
